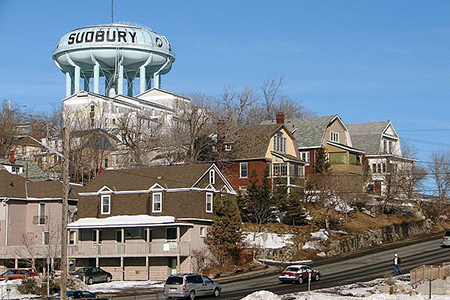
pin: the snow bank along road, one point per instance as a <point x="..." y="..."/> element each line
<point x="347" y="270"/>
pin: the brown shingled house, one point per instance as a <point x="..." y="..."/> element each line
<point x="255" y="152"/>
<point x="144" y="224"/>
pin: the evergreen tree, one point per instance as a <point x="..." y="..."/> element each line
<point x="257" y="205"/>
<point x="321" y="163"/>
<point x="224" y="238"/>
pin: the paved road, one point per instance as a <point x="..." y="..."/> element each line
<point x="344" y="271"/>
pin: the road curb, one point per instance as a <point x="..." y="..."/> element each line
<point x="270" y="270"/>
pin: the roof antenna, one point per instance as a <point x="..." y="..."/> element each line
<point x="112" y="11"/>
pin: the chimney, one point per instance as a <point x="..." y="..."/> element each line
<point x="280" y="117"/>
<point x="11" y="157"/>
<point x="220" y="135"/>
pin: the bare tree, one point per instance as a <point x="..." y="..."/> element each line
<point x="9" y="120"/>
<point x="440" y="171"/>
<point x="271" y="92"/>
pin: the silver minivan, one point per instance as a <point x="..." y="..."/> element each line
<point x="446" y="239"/>
<point x="190" y="286"/>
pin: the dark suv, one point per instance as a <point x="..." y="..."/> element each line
<point x="190" y="285"/>
<point x="91" y="275"/>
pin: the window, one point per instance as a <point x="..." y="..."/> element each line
<point x="128" y="233"/>
<point x="92" y="108"/>
<point x="171" y="234"/>
<point x="212" y="177"/>
<point x="106" y="163"/>
<point x="106" y="204"/>
<point x="305" y="157"/>
<point x="228" y="147"/>
<point x="385" y="149"/>
<point x="279" y="170"/>
<point x="384" y="167"/>
<point x="243" y="189"/>
<point x="391" y="147"/>
<point x="72" y="235"/>
<point x="138" y="233"/>
<point x="157" y="202"/>
<point x="202" y="232"/>
<point x="94" y="236"/>
<point x="334" y="137"/>
<point x="243" y="170"/>
<point x="41" y="217"/>
<point x="45" y="238"/>
<point x="374" y="168"/>
<point x="279" y="142"/>
<point x="209" y="202"/>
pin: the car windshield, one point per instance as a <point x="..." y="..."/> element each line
<point x="447" y="233"/>
<point x="292" y="269"/>
<point x="82" y="270"/>
<point x="174" y="280"/>
<point x="9" y="272"/>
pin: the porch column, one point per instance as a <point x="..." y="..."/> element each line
<point x="147" y="265"/>
<point x="122" y="268"/>
<point x="16" y="263"/>
<point x="178" y="249"/>
<point x="97" y="262"/>
<point x="122" y="238"/>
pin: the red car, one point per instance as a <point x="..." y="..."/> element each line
<point x="12" y="274"/>
<point x="298" y="273"/>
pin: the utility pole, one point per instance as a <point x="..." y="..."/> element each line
<point x="65" y="206"/>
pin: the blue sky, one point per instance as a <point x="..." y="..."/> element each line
<point x="364" y="60"/>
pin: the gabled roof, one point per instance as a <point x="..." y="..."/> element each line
<point x="252" y="141"/>
<point x="162" y="91"/>
<point x="13" y="186"/>
<point x="34" y="173"/>
<point x="169" y="177"/>
<point x="367" y="136"/>
<point x="308" y="132"/>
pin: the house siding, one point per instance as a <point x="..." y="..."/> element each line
<point x="256" y="172"/>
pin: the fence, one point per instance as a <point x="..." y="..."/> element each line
<point x="430" y="272"/>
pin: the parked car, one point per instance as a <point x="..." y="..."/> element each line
<point x="190" y="286"/>
<point x="446" y="239"/>
<point x="298" y="273"/>
<point x="11" y="274"/>
<point x="91" y="275"/>
<point x="80" y="295"/>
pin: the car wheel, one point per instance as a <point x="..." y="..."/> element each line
<point x="90" y="281"/>
<point x="108" y="278"/>
<point x="300" y="279"/>
<point x="216" y="293"/>
<point x="192" y="295"/>
<point x="317" y="277"/>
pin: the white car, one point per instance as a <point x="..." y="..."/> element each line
<point x="298" y="274"/>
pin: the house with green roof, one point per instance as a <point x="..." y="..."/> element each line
<point x="381" y="143"/>
<point x="330" y="134"/>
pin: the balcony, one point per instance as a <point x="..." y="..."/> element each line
<point x="37" y="251"/>
<point x="108" y="249"/>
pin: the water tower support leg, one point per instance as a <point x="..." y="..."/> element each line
<point x="130" y="87"/>
<point x="157" y="81"/>
<point x="97" y="78"/>
<point x="142" y="80"/>
<point x="120" y="81"/>
<point x="77" y="79"/>
<point x="86" y="84"/>
<point x="68" y="84"/>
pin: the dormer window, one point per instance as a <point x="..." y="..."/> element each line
<point x="212" y="177"/>
<point x="228" y="147"/>
<point x="157" y="202"/>
<point x="92" y="108"/>
<point x="106" y="204"/>
<point x="279" y="142"/>
<point x="334" y="136"/>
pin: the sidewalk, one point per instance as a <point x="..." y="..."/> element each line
<point x="252" y="274"/>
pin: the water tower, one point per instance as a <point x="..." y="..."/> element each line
<point x="114" y="55"/>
